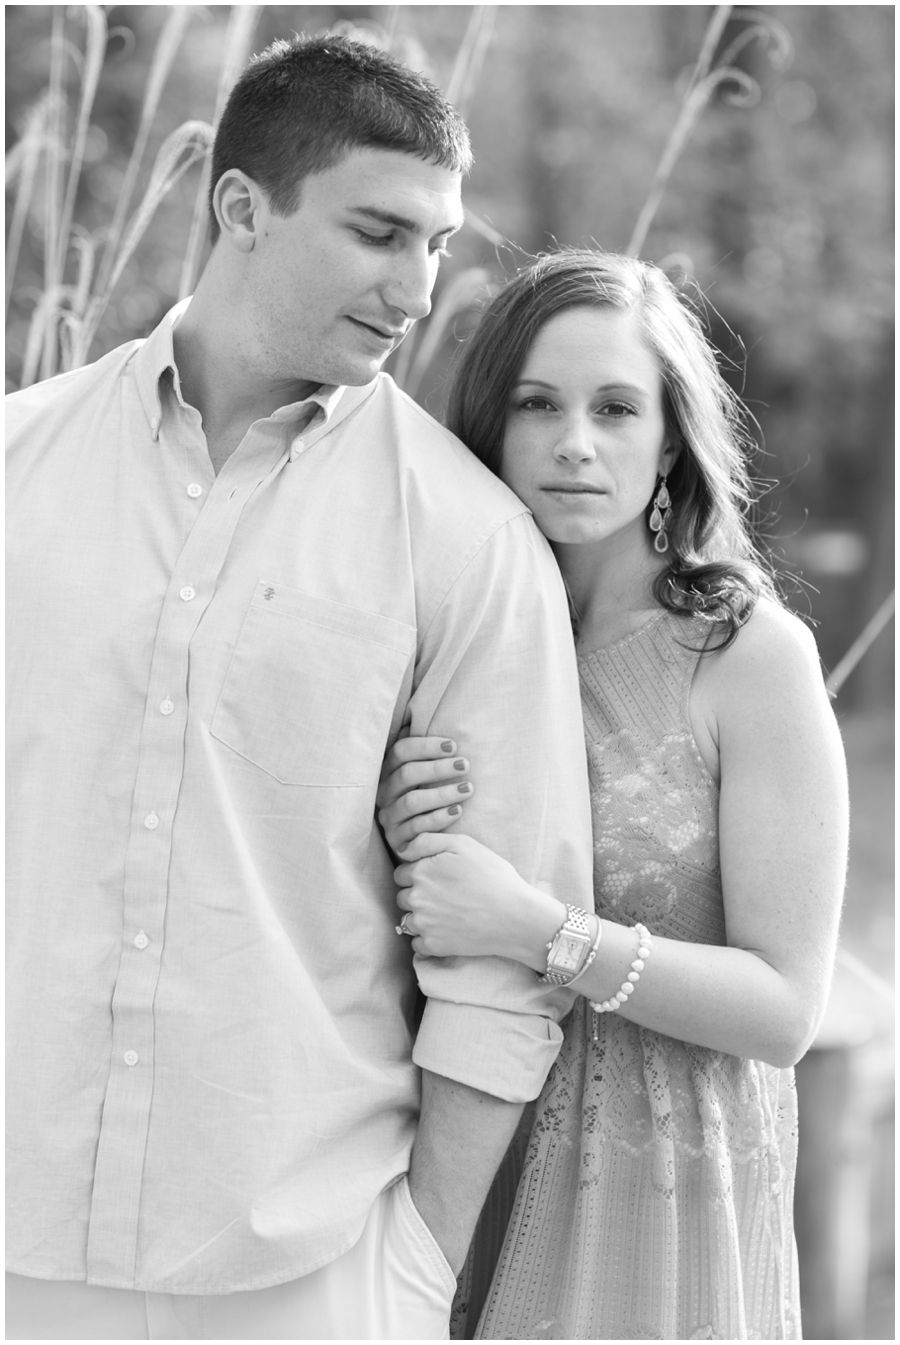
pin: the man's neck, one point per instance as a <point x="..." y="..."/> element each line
<point x="216" y="377"/>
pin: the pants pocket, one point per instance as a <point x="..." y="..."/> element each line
<point x="422" y="1238"/>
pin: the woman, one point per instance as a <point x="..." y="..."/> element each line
<point x="656" y="1196"/>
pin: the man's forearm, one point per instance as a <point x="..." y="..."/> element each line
<point x="462" y="1137"/>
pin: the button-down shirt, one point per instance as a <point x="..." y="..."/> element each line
<point x="211" y="1018"/>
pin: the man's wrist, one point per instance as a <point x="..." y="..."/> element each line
<point x="542" y="918"/>
<point x="462" y="1137"/>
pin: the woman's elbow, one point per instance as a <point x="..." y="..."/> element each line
<point x="790" y="1039"/>
<point x="785" y="1056"/>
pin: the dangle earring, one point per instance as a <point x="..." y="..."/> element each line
<point x="662" y="503"/>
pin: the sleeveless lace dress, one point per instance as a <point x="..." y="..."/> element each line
<point x="656" y="1196"/>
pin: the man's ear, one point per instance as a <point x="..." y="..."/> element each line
<point x="237" y="201"/>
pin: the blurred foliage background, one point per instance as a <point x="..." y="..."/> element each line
<point x="779" y="208"/>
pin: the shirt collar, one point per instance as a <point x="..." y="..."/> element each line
<point x="336" y="404"/>
<point x="155" y="357"/>
<point x="314" y="415"/>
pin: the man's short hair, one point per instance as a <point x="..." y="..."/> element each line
<point x="301" y="105"/>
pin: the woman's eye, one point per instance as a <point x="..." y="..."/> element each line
<point x="617" y="410"/>
<point x="535" y="404"/>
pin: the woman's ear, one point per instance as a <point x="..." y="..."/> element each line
<point x="669" y="457"/>
<point x="237" y="201"/>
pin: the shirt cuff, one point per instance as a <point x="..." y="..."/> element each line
<point x="508" y="1055"/>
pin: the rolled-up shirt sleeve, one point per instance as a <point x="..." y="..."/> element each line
<point x="497" y="672"/>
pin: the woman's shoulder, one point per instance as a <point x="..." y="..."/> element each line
<point x="770" y="643"/>
<point x="769" y="671"/>
<point x="771" y="632"/>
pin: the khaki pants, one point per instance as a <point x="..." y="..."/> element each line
<point x="394" y="1284"/>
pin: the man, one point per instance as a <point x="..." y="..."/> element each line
<point x="241" y="562"/>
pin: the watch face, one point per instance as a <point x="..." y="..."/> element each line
<point x="569" y="953"/>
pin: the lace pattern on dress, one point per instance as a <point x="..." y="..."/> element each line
<point x="655" y="1201"/>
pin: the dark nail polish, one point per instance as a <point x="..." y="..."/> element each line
<point x="448" y="747"/>
<point x="454" y="809"/>
<point x="464" y="789"/>
<point x="459" y="765"/>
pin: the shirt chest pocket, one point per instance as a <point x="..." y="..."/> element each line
<point x="312" y="687"/>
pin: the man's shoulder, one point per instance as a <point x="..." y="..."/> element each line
<point x="60" y="395"/>
<point x="435" y="455"/>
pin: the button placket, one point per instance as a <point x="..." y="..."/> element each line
<point x="118" y="1174"/>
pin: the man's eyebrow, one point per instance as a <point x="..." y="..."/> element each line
<point x="400" y="221"/>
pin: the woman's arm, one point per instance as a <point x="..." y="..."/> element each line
<point x="783" y="837"/>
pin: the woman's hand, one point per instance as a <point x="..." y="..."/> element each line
<point x="423" y="787"/>
<point x="467" y="901"/>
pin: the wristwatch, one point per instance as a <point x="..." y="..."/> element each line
<point x="568" y="948"/>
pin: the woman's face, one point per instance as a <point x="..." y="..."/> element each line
<point x="585" y="434"/>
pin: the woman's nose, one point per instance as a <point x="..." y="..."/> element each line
<point x="576" y="442"/>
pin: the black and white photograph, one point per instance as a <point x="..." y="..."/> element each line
<point x="450" y="672"/>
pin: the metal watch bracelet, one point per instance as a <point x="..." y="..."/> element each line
<point x="569" y="948"/>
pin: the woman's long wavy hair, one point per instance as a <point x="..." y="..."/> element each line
<point x="712" y="566"/>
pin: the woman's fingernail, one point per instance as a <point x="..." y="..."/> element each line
<point x="464" y="788"/>
<point x="454" y="809"/>
<point x="459" y="765"/>
<point x="448" y="746"/>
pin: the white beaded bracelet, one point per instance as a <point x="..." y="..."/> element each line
<point x="637" y="966"/>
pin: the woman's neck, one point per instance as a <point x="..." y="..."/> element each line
<point x="610" y="584"/>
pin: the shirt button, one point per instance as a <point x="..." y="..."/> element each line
<point x="131" y="1058"/>
<point x="194" y="490"/>
<point x="166" y="707"/>
<point x="151" y="821"/>
<point x="141" y="940"/>
<point x="187" y="593"/>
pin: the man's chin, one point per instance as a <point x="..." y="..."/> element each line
<point x="353" y="373"/>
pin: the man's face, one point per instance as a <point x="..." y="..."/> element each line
<point x="334" y="287"/>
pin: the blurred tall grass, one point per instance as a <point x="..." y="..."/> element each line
<point x="84" y="262"/>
